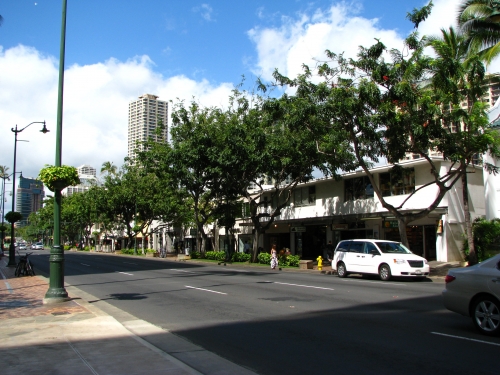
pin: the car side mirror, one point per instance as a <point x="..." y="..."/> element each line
<point x="374" y="252"/>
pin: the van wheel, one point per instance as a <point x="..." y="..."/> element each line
<point x="384" y="271"/>
<point x="341" y="271"/>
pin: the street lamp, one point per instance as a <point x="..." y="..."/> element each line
<point x="57" y="292"/>
<point x="12" y="248"/>
<point x="4" y="177"/>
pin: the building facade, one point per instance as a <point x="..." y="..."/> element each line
<point x="86" y="170"/>
<point x="326" y="209"/>
<point x="87" y="175"/>
<point x="29" y="198"/>
<point x="145" y="115"/>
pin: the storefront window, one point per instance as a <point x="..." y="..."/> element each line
<point x="304" y="196"/>
<point x="358" y="188"/>
<point x="398" y="181"/>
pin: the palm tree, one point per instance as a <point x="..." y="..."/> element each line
<point x="480" y="21"/>
<point x="456" y="71"/>
<point x="109" y="168"/>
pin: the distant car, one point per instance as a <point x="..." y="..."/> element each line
<point x="475" y="292"/>
<point x="22" y="246"/>
<point x="37" y="246"/>
<point x="378" y="257"/>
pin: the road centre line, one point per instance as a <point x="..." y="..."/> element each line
<point x="372" y="282"/>
<point x="86" y="265"/>
<point x="465" y="338"/>
<point x="303" y="286"/>
<point x="175" y="269"/>
<point x="205" y="290"/>
<point x="125" y="273"/>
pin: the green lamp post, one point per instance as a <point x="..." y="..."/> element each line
<point x="57" y="292"/>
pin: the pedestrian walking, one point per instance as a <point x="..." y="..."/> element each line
<point x="274" y="257"/>
<point x="246" y="248"/>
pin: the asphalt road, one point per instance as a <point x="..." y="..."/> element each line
<point x="290" y="322"/>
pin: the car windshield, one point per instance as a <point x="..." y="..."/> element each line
<point x="393" y="247"/>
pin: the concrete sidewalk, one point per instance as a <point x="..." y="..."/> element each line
<point x="86" y="336"/>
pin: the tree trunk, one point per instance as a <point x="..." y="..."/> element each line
<point x="255" y="248"/>
<point x="468" y="225"/>
<point x="167" y="243"/>
<point x="402" y="232"/>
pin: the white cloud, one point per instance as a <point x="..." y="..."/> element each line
<point x="305" y="39"/>
<point x="205" y="11"/>
<point x="340" y="28"/>
<point x="96" y="101"/>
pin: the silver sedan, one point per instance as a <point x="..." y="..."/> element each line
<point x="475" y="292"/>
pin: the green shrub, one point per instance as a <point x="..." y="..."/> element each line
<point x="486" y="236"/>
<point x="216" y="255"/>
<point x="241" y="257"/>
<point x="293" y="260"/>
<point x="150" y="251"/>
<point x="67" y="247"/>
<point x="128" y="251"/>
<point x="195" y="255"/>
<point x="264" y="258"/>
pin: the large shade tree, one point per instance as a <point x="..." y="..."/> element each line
<point x="381" y="104"/>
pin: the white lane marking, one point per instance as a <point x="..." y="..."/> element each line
<point x="465" y="338"/>
<point x="175" y="269"/>
<point x="125" y="273"/>
<point x="205" y="290"/>
<point x="86" y="265"/>
<point x="303" y="286"/>
<point x="129" y="263"/>
<point x="372" y="282"/>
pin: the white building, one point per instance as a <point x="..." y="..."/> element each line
<point x="325" y="210"/>
<point x="87" y="175"/>
<point x="86" y="170"/>
<point x="491" y="181"/>
<point x="144" y="116"/>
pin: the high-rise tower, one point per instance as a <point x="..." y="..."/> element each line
<point x="144" y="117"/>
<point x="29" y="198"/>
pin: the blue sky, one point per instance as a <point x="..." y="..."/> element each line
<point x="119" y="50"/>
<point x="199" y="40"/>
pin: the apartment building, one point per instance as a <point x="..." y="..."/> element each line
<point x="144" y="117"/>
<point x="29" y="198"/>
<point x="86" y="170"/>
<point x="87" y="175"/>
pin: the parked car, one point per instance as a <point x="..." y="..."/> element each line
<point x="475" y="292"/>
<point x="22" y="246"/>
<point x="378" y="257"/>
<point x="37" y="246"/>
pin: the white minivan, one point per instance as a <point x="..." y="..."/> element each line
<point x="379" y="257"/>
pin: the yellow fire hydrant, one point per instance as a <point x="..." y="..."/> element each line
<point x="320" y="263"/>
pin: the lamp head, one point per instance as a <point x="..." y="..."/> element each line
<point x="44" y="129"/>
